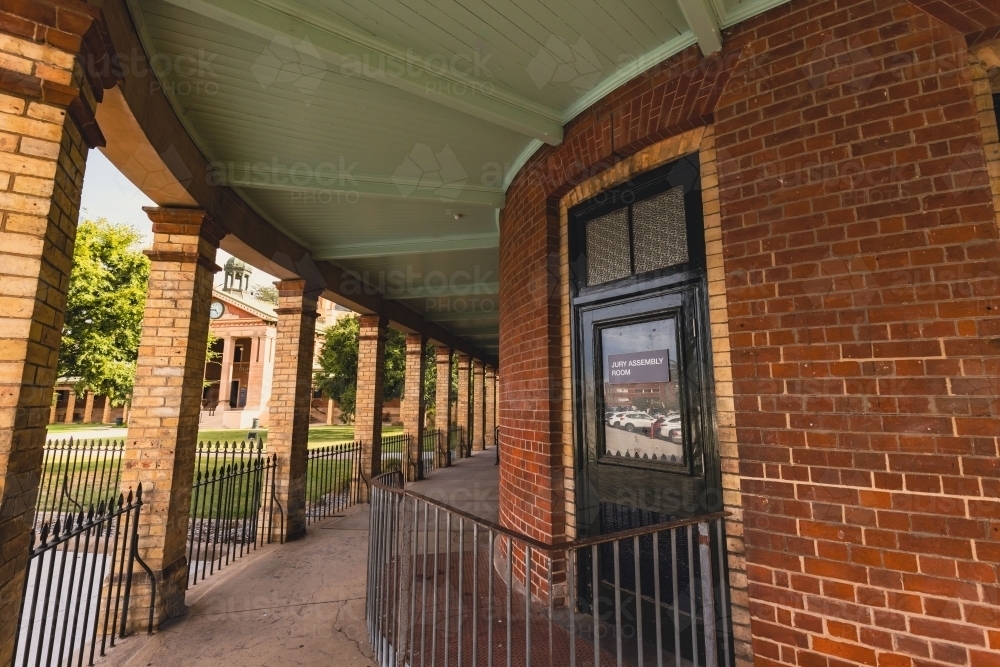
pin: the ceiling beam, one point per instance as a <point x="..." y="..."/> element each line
<point x="704" y="24"/>
<point x="337" y="187"/>
<point x="351" y="52"/>
<point x="411" y="246"/>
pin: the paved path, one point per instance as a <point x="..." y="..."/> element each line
<point x="290" y="605"/>
<point x="471" y="484"/>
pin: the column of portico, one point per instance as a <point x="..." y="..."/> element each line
<point x="478" y="407"/>
<point x="226" y="373"/>
<point x="70" y="408"/>
<point x="442" y="405"/>
<point x="53" y="407"/>
<point x="291" y="396"/>
<point x="106" y="414"/>
<point x="166" y="400"/>
<point x="490" y="420"/>
<point x="255" y="374"/>
<point x="368" y="397"/>
<point x="463" y="407"/>
<point x="413" y="406"/>
<point x="88" y="408"/>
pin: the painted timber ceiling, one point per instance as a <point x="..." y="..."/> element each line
<point x="381" y="134"/>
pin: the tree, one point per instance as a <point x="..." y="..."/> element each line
<point x="265" y="293"/>
<point x="104" y="307"/>
<point x="339" y="362"/>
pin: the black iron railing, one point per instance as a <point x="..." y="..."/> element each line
<point x="429" y="449"/>
<point x="79" y="582"/>
<point x="332" y="480"/>
<point x="445" y="587"/>
<point x="456" y="441"/>
<point x="496" y="441"/>
<point x="233" y="506"/>
<point x="75" y="475"/>
<point x="394" y="451"/>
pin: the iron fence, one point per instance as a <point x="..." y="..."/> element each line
<point x="445" y="587"/>
<point x="456" y="441"/>
<point x="394" y="451"/>
<point x="75" y="475"/>
<point x="79" y="584"/>
<point x="233" y="506"/>
<point x="332" y="480"/>
<point x="428" y="450"/>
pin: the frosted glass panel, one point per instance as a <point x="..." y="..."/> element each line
<point x="660" y="232"/>
<point x="608" y="248"/>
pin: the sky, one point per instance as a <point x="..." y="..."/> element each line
<point x="108" y="194"/>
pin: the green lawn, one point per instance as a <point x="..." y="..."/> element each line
<point x="319" y="436"/>
<point x="70" y="428"/>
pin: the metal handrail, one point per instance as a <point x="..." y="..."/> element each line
<point x="558" y="546"/>
<point x="425" y="556"/>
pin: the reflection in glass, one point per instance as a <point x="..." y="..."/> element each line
<point x="642" y="412"/>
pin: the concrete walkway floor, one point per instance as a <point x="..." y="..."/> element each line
<point x="290" y="605"/>
<point x="471" y="485"/>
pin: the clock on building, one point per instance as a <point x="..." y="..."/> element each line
<point x="217" y="310"/>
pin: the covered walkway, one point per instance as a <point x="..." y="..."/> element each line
<point x="302" y="603"/>
<point x="293" y="605"/>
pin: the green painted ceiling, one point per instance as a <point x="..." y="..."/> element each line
<point x="381" y="133"/>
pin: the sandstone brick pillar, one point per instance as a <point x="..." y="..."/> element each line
<point x="368" y="397"/>
<point x="490" y="420"/>
<point x="106" y="414"/>
<point x="166" y="401"/>
<point x="442" y="405"/>
<point x="54" y="407"/>
<point x="329" y="411"/>
<point x="291" y="400"/>
<point x="463" y="406"/>
<point x="478" y="407"/>
<point x="47" y="122"/>
<point x="70" y="407"/>
<point x="88" y="408"/>
<point x="413" y="405"/>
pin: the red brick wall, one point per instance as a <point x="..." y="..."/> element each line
<point x="862" y="264"/>
<point x="862" y="259"/>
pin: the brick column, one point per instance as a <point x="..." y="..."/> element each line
<point x="53" y="407"/>
<point x="442" y="405"/>
<point x="166" y="401"/>
<point x="368" y="397"/>
<point x="465" y="434"/>
<point x="329" y="412"/>
<point x="490" y="419"/>
<point x="106" y="414"/>
<point x="88" y="408"/>
<point x="70" y="407"/>
<point x="478" y="407"/>
<point x="291" y="396"/>
<point x="47" y="118"/>
<point x="413" y="406"/>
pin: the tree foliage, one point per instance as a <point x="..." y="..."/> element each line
<point x="339" y="362"/>
<point x="265" y="293"/>
<point x="104" y="306"/>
